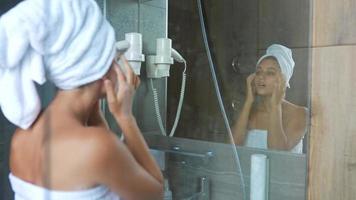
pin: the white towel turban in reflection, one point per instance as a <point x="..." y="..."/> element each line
<point x="284" y="58"/>
<point x="65" y="41"/>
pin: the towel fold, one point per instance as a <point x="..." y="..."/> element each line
<point x="68" y="42"/>
<point x="26" y="191"/>
<point x="284" y="58"/>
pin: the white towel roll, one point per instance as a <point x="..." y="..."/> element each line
<point x="66" y="41"/>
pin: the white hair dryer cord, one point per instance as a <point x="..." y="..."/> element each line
<point x="179" y="109"/>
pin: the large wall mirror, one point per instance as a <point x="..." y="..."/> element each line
<point x="239" y="32"/>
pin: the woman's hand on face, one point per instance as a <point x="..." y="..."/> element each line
<point x="120" y="102"/>
<point x="279" y="91"/>
<point x="250" y="87"/>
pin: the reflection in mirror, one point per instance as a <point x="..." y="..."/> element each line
<point x="253" y="83"/>
<point x="239" y="33"/>
<point x="267" y="119"/>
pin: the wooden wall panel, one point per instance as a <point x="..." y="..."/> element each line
<point x="332" y="155"/>
<point x="334" y="22"/>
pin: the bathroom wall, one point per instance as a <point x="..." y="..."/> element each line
<point x="332" y="157"/>
<point x="150" y="19"/>
<point x="6" y="130"/>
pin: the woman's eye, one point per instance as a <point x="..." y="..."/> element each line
<point x="270" y="73"/>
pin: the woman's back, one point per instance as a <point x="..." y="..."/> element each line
<point x="57" y="154"/>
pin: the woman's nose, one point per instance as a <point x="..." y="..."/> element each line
<point x="260" y="75"/>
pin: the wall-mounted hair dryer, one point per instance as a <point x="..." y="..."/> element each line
<point x="176" y="56"/>
<point x="122" y="46"/>
<point x="131" y="47"/>
<point x="158" y="66"/>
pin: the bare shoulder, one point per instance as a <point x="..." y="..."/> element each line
<point x="99" y="135"/>
<point x="99" y="151"/>
<point x="296" y="118"/>
<point x="99" y="142"/>
<point x="96" y="147"/>
<point x="294" y="111"/>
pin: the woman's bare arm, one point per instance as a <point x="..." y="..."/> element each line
<point x="120" y="105"/>
<point x="138" y="147"/>
<point x="285" y="138"/>
<point x="277" y="138"/>
<point x="240" y="128"/>
<point x="284" y="135"/>
<point x="111" y="163"/>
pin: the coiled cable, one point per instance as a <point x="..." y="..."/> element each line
<point x="179" y="108"/>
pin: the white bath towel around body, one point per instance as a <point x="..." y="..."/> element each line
<point x="27" y="191"/>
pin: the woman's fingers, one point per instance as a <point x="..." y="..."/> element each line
<point x="137" y="82"/>
<point x="278" y="84"/>
<point x="250" y="78"/>
<point x="130" y="75"/>
<point x="120" y="75"/>
<point x="283" y="85"/>
<point x="110" y="92"/>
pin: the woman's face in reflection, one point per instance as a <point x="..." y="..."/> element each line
<point x="267" y="73"/>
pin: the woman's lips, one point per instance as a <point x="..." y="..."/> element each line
<point x="261" y="85"/>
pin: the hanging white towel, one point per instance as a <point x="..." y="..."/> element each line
<point x="68" y="42"/>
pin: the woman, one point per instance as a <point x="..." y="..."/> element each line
<point x="267" y="120"/>
<point x="67" y="151"/>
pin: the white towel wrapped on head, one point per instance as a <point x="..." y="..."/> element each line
<point x="68" y="42"/>
<point x="284" y="58"/>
